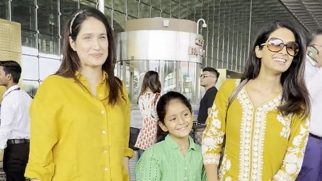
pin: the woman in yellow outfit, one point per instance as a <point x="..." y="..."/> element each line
<point x="80" y="115"/>
<point x="265" y="127"/>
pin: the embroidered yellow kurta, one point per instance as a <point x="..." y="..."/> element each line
<point x="261" y="143"/>
<point x="76" y="136"/>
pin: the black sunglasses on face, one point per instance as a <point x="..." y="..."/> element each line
<point x="276" y="45"/>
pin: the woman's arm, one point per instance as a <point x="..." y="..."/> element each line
<point x="213" y="136"/>
<point x="211" y="172"/>
<point x="293" y="158"/>
<point x="128" y="152"/>
<point x="44" y="112"/>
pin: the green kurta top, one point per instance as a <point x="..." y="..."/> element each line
<point x="164" y="162"/>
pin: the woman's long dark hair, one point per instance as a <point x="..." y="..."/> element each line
<point x="162" y="109"/>
<point x="295" y="95"/>
<point x="71" y="62"/>
<point x="151" y="80"/>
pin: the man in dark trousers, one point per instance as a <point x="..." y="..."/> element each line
<point x="208" y="80"/>
<point x="15" y="122"/>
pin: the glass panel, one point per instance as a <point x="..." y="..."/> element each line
<point x="30" y="86"/>
<point x="28" y="38"/>
<point x="48" y="27"/>
<point x="119" y="21"/>
<point x="87" y="3"/>
<point x="156" y="4"/>
<point x="29" y="66"/>
<point x="67" y="8"/>
<point x="155" y="13"/>
<point x="48" y="17"/>
<point x="24" y="11"/>
<point x="108" y="3"/>
<point x="169" y="76"/>
<point x="144" y="11"/>
<point x="132" y="8"/>
<point x="175" y="9"/>
<point x="120" y="5"/>
<point x="166" y="8"/>
<point x="133" y="75"/>
<point x="154" y="65"/>
<point x="108" y="13"/>
<point x="4" y="13"/>
<point x="146" y="2"/>
<point x="48" y="66"/>
<point x="49" y="44"/>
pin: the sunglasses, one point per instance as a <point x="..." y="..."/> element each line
<point x="276" y="45"/>
<point x="316" y="46"/>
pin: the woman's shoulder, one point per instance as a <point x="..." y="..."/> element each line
<point x="54" y="83"/>
<point x="230" y="84"/>
<point x="55" y="79"/>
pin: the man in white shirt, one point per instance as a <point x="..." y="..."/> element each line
<point x="15" y="122"/>
<point x="312" y="164"/>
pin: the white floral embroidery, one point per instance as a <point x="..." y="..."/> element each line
<point x="286" y="122"/>
<point x="213" y="138"/>
<point x="252" y="130"/>
<point x="211" y="158"/>
<point x="245" y="136"/>
<point x="297" y="140"/>
<point x="294" y="156"/>
<point x="208" y="142"/>
<point x="282" y="176"/>
<point x="225" y="167"/>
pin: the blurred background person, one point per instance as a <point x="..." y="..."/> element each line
<point x="312" y="164"/>
<point x="149" y="96"/>
<point x="15" y="122"/>
<point x="208" y="80"/>
<point x="80" y="116"/>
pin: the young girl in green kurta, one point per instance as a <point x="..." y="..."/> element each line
<point x="265" y="127"/>
<point x="177" y="157"/>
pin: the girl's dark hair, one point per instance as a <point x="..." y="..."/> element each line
<point x="162" y="109"/>
<point x="71" y="62"/>
<point x="151" y="80"/>
<point x="295" y="95"/>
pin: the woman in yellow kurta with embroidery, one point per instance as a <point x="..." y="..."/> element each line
<point x="265" y="126"/>
<point x="80" y="115"/>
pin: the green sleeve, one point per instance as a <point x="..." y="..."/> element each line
<point x="148" y="167"/>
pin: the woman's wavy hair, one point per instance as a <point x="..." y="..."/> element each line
<point x="71" y="62"/>
<point x="151" y="80"/>
<point x="295" y="95"/>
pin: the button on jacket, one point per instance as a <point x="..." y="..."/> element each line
<point x="76" y="135"/>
